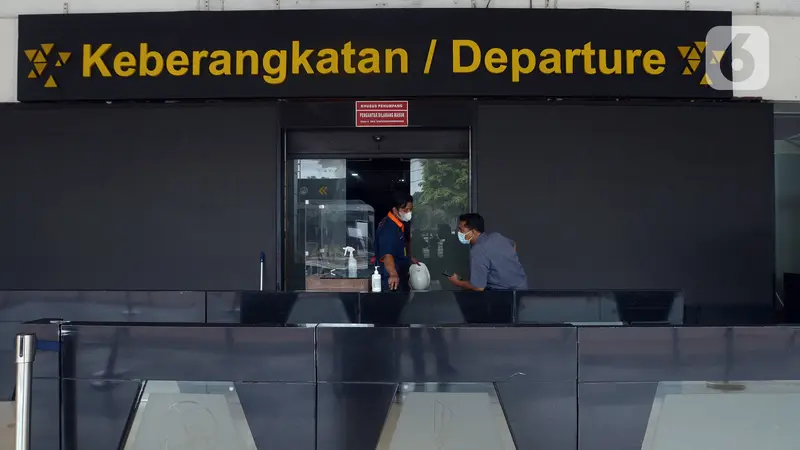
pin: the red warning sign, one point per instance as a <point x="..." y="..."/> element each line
<point x="382" y="113"/>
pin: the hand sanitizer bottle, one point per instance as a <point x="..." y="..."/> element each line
<point x="376" y="280"/>
<point x="352" y="265"/>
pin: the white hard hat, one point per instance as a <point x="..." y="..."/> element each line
<point x="419" y="277"/>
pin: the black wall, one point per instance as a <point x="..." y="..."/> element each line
<point x="138" y="196"/>
<point x="613" y="196"/>
<point x="598" y="196"/>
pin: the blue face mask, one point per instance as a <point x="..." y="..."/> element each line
<point x="462" y="237"/>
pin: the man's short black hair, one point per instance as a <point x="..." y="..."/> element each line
<point x="401" y="198"/>
<point x="473" y="221"/>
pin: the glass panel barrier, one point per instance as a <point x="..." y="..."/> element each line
<point x="178" y="415"/>
<point x="321" y="222"/>
<point x="446" y="416"/>
<point x="734" y="415"/>
<point x="481" y="387"/>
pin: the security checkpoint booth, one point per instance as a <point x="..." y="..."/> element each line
<point x="183" y="184"/>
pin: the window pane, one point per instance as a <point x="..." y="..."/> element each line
<point x="787" y="203"/>
<point x="335" y="203"/>
<point x="441" y="193"/>
<point x="322" y="222"/>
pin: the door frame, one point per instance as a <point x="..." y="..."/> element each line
<point x="285" y="177"/>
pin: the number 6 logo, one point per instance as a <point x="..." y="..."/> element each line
<point x="738" y="59"/>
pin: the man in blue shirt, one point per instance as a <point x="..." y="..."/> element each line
<point x="493" y="260"/>
<point x="392" y="245"/>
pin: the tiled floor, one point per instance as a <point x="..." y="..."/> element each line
<point x="7" y="425"/>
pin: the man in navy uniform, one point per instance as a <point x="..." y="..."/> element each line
<point x="392" y="244"/>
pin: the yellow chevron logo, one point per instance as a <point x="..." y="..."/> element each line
<point x="693" y="56"/>
<point x="43" y="61"/>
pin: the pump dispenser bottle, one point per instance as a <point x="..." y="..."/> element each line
<point x="376" y="280"/>
<point x="352" y="265"/>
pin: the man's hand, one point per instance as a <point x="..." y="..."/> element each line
<point x="394" y="281"/>
<point x="462" y="283"/>
<point x="414" y="260"/>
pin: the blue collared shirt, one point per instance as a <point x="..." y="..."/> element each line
<point x="494" y="264"/>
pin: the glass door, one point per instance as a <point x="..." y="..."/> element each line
<point x="440" y="188"/>
<point x="339" y="186"/>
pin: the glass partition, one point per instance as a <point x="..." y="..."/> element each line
<point x="320" y="223"/>
<point x="420" y="388"/>
<point x="441" y="193"/>
<point x="180" y="415"/>
<point x="787" y="208"/>
<point x="446" y="416"/>
<point x="328" y="227"/>
<point x="732" y="415"/>
<point x="334" y="204"/>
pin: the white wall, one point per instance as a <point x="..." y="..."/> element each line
<point x="12" y="8"/>
<point x="784" y="57"/>
<point x="8" y="60"/>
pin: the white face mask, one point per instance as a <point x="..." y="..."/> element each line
<point x="406" y="217"/>
<point x="462" y="237"/>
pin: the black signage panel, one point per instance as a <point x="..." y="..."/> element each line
<point x="384" y="53"/>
